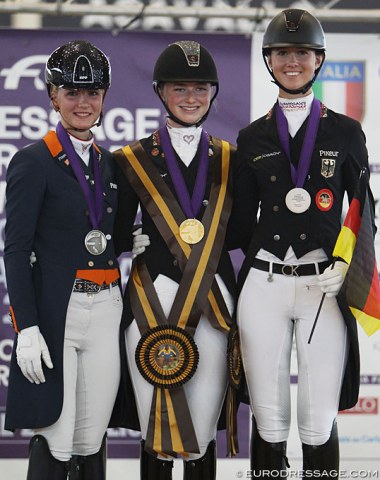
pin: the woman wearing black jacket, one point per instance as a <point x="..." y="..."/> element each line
<point x="297" y="162"/>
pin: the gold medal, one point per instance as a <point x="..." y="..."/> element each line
<point x="191" y="230"/>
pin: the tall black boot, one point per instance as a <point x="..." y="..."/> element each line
<point x="152" y="468"/>
<point x="42" y="464"/>
<point x="267" y="459"/>
<point x="90" y="467"/>
<point x="204" y="468"/>
<point x="323" y="459"/>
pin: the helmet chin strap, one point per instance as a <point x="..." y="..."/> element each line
<point x="296" y="91"/>
<point x="302" y="90"/>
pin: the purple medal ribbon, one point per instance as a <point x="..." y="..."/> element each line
<point x="299" y="174"/>
<point x="190" y="206"/>
<point x="94" y="200"/>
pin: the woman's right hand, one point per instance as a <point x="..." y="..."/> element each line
<point x="31" y="346"/>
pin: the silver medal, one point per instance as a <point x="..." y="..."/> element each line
<point x="95" y="242"/>
<point x="298" y="200"/>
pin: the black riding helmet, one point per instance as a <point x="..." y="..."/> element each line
<point x="185" y="61"/>
<point x="294" y="28"/>
<point x="78" y="64"/>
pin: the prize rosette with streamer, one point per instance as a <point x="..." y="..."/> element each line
<point x="234" y="362"/>
<point x="167" y="356"/>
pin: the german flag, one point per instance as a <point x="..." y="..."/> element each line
<point x="355" y="245"/>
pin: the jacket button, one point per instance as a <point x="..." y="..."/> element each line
<point x="90" y="263"/>
<point x="276" y="238"/>
<point x="108" y="236"/>
<point x="110" y="262"/>
<point x="175" y="262"/>
<point x="205" y="203"/>
<point x="276" y="208"/>
<point x="109" y="209"/>
<point x="273" y="178"/>
<point x="303" y="236"/>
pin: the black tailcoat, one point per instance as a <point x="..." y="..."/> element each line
<point x="261" y="219"/>
<point x="158" y="257"/>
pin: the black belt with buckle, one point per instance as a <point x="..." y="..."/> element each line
<point x="86" y="286"/>
<point x="291" y="270"/>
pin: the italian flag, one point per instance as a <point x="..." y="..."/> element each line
<point x="340" y="86"/>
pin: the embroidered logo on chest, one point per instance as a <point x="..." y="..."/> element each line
<point x="188" y="138"/>
<point x="328" y="167"/>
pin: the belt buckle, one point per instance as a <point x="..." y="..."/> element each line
<point x="293" y="270"/>
<point x="92" y="288"/>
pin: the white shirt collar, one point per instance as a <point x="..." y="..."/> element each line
<point x="296" y="110"/>
<point x="82" y="147"/>
<point x="185" y="141"/>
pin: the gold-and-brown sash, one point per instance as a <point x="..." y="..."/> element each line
<point x="168" y="215"/>
<point x="170" y="429"/>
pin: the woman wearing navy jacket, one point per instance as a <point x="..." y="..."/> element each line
<point x="61" y="200"/>
<point x="298" y="161"/>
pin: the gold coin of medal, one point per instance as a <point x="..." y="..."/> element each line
<point x="191" y="230"/>
<point x="95" y="242"/>
<point x="298" y="200"/>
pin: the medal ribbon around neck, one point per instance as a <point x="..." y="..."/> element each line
<point x="94" y="200"/>
<point x="299" y="174"/>
<point x="190" y="205"/>
<point x="170" y="428"/>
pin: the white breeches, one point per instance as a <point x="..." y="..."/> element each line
<point x="91" y="373"/>
<point x="205" y="391"/>
<point x="268" y="315"/>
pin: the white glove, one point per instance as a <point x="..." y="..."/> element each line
<point x="332" y="278"/>
<point x="140" y="241"/>
<point x="31" y="346"/>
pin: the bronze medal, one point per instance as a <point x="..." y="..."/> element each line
<point x="95" y="242"/>
<point x="191" y="231"/>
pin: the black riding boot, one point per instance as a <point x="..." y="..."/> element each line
<point x="204" y="468"/>
<point x="90" y="467"/>
<point x="152" y="468"/>
<point x="42" y="464"/>
<point x="267" y="459"/>
<point x="323" y="459"/>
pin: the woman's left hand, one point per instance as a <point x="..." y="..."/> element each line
<point x="331" y="280"/>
